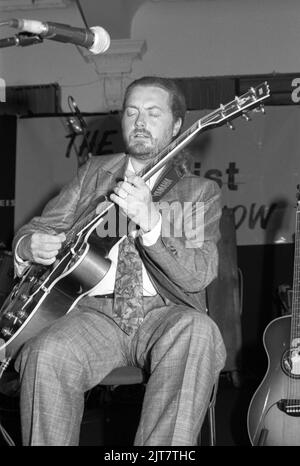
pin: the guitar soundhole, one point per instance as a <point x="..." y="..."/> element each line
<point x="290" y="362"/>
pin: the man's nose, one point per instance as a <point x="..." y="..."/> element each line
<point x="140" y="121"/>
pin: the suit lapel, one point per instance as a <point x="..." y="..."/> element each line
<point x="111" y="170"/>
<point x="108" y="175"/>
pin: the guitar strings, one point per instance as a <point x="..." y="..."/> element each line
<point x="293" y="395"/>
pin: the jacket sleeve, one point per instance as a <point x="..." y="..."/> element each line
<point x="186" y="251"/>
<point x="59" y="213"/>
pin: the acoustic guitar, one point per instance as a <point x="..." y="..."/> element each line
<point x="274" y="412"/>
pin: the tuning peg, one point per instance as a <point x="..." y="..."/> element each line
<point x="222" y="109"/>
<point x="261" y="109"/>
<point x="230" y="125"/>
<point x="246" y="116"/>
<point x="237" y="101"/>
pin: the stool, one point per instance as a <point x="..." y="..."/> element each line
<point x="130" y="375"/>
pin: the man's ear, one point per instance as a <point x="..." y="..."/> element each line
<point x="177" y="126"/>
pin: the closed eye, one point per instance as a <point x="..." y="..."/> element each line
<point x="130" y="111"/>
<point x="155" y="113"/>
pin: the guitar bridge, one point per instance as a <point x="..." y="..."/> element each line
<point x="289" y="406"/>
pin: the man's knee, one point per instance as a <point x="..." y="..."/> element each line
<point x="196" y="321"/>
<point x="199" y="326"/>
<point x="204" y="333"/>
<point x="47" y="347"/>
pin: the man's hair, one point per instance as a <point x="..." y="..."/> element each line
<point x="177" y="99"/>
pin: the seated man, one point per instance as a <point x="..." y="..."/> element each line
<point x="161" y="325"/>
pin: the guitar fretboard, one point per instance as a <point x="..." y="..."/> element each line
<point x="223" y="114"/>
<point x="295" y="324"/>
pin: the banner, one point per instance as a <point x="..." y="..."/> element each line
<point x="257" y="166"/>
<point x="42" y="167"/>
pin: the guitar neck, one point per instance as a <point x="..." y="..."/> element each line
<point x="224" y="114"/>
<point x="295" y="324"/>
<point x="156" y="164"/>
<point x="170" y="151"/>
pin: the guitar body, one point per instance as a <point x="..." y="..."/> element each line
<point x="274" y="412"/>
<point x="42" y="310"/>
<point x="46" y="293"/>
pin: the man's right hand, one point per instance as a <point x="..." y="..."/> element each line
<point x="41" y="248"/>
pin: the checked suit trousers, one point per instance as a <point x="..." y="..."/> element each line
<point x="180" y="347"/>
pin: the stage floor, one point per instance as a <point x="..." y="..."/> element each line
<point x="111" y="418"/>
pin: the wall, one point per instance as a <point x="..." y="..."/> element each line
<point x="115" y="16"/>
<point x="184" y="38"/>
<point x="220" y="37"/>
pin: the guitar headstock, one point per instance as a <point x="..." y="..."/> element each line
<point x="224" y="114"/>
<point x="253" y="99"/>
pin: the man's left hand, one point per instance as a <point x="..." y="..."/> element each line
<point x="135" y="199"/>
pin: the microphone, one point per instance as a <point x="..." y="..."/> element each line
<point x="96" y="39"/>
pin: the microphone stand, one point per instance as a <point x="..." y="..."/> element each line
<point x="21" y="40"/>
<point x="78" y="126"/>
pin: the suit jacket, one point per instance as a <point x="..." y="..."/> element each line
<point x="184" y="260"/>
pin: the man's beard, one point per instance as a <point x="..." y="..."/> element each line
<point x="144" y="150"/>
<point x="141" y="150"/>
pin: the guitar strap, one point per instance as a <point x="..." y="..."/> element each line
<point x="170" y="175"/>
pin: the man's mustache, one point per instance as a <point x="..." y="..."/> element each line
<point x="142" y="133"/>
